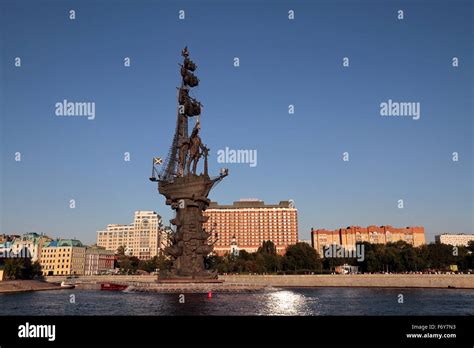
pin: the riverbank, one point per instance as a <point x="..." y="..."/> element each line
<point x="150" y="284"/>
<point x="14" y="286"/>
<point x="458" y="281"/>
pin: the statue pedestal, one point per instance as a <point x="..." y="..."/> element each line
<point x="191" y="243"/>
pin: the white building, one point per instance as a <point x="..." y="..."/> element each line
<point x="29" y="245"/>
<point x="454" y="239"/>
<point x="5" y="249"/>
<point x="234" y="248"/>
<point x="142" y="239"/>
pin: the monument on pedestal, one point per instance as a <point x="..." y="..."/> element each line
<point x="185" y="190"/>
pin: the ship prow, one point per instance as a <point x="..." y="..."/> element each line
<point x="188" y="187"/>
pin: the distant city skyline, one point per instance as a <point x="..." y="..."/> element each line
<point x="283" y="62"/>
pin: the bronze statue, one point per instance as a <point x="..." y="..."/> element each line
<point x="188" y="106"/>
<point x="189" y="78"/>
<point x="185" y="190"/>
<point x="195" y="149"/>
<point x="183" y="153"/>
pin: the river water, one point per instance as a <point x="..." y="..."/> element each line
<point x="292" y="301"/>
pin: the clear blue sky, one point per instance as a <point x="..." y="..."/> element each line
<point x="282" y="62"/>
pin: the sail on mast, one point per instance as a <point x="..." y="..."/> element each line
<point x="187" y="107"/>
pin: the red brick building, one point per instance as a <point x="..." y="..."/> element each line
<point x="347" y="237"/>
<point x="251" y="222"/>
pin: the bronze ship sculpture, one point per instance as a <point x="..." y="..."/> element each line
<point x="185" y="190"/>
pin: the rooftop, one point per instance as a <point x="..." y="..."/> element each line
<point x="64" y="243"/>
<point x="457" y="234"/>
<point x="253" y="203"/>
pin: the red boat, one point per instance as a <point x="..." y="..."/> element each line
<point x="112" y="287"/>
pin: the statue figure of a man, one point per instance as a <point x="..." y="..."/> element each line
<point x="196" y="146"/>
<point x="183" y="150"/>
<point x="183" y="146"/>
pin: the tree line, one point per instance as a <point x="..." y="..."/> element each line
<point x="401" y="257"/>
<point x="133" y="265"/>
<point x="299" y="258"/>
<point x="398" y="257"/>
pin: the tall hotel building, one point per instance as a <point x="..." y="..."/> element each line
<point x="246" y="224"/>
<point x="348" y="237"/>
<point x="142" y="239"/>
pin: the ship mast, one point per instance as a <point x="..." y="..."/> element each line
<point x="175" y="163"/>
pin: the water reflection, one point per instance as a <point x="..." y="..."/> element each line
<point x="285" y="302"/>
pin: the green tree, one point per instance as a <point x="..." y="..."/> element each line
<point x="439" y="256"/>
<point x="212" y="261"/>
<point x="269" y="261"/>
<point x="463" y="260"/>
<point x="26" y="269"/>
<point x="164" y="262"/>
<point x="22" y="268"/>
<point x="13" y="268"/>
<point x="148" y="265"/>
<point x="128" y="264"/>
<point x="301" y="256"/>
<point x="372" y="258"/>
<point x="36" y="270"/>
<point x="412" y="260"/>
<point x="121" y="250"/>
<point x="244" y="255"/>
<point x="392" y="258"/>
<point x="267" y="247"/>
<point x="470" y="246"/>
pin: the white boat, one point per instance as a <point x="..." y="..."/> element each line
<point x="67" y="286"/>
